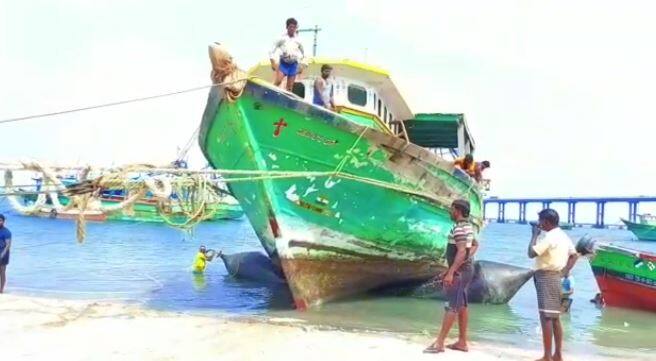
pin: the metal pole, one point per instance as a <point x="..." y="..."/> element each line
<point x="314" y="44"/>
<point x="316" y="31"/>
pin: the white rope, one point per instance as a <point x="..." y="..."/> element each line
<point x="120" y="102"/>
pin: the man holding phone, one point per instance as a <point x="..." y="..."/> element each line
<point x="555" y="256"/>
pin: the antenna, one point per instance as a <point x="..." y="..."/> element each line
<point x="316" y="31"/>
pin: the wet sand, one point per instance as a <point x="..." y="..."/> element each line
<point x="45" y="328"/>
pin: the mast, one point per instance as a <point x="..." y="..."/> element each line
<point x="316" y="31"/>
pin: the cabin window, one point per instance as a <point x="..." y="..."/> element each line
<point x="299" y="89"/>
<point x="384" y="113"/>
<point x="357" y="95"/>
<point x="374" y="101"/>
<point x="380" y="107"/>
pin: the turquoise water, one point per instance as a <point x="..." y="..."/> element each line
<point x="150" y="264"/>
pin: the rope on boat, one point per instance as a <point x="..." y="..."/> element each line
<point x="194" y="191"/>
<point x="118" y="179"/>
<point x="239" y="79"/>
<point x="349" y="153"/>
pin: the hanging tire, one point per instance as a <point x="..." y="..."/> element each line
<point x="53" y="213"/>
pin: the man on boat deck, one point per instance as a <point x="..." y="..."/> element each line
<point x="323" y="89"/>
<point x="459" y="255"/>
<point x="480" y="167"/>
<point x="473" y="169"/>
<point x="5" y="244"/>
<point x="554" y="256"/>
<point x="467" y="164"/>
<point x="289" y="52"/>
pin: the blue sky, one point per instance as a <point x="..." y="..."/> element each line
<point x="558" y="94"/>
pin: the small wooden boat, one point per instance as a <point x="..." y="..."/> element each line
<point x="626" y="277"/>
<point x="645" y="229"/>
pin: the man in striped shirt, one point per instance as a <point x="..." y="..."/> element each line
<point x="459" y="256"/>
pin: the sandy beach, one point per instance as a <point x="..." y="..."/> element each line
<point x="44" y="328"/>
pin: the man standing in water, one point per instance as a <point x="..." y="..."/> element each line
<point x="289" y="51"/>
<point x="5" y="244"/>
<point x="460" y="250"/>
<point x="554" y="256"/>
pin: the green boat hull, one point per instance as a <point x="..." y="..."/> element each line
<point x="643" y="231"/>
<point x="566" y="226"/>
<point x="386" y="221"/>
<point x="626" y="277"/>
<point x="149" y="213"/>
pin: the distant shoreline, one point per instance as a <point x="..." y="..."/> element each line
<point x="46" y="328"/>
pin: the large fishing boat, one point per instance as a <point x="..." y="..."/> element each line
<point x="345" y="201"/>
<point x="626" y="277"/>
<point x="645" y="229"/>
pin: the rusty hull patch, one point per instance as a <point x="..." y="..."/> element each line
<point x="314" y="281"/>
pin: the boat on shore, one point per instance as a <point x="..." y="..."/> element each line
<point x="645" y="229"/>
<point x="346" y="202"/>
<point x="626" y="277"/>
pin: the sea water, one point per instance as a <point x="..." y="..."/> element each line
<point x="150" y="264"/>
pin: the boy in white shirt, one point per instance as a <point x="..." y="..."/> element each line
<point x="289" y="52"/>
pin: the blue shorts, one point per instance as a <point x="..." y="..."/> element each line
<point x="288" y="69"/>
<point x="5" y="260"/>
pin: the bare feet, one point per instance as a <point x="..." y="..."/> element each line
<point x="458" y="346"/>
<point x="545" y="358"/>
<point x="434" y="348"/>
<point x="557" y="358"/>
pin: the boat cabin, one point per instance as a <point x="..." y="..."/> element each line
<point x="366" y="95"/>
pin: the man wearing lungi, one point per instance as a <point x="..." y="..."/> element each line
<point x="460" y="251"/>
<point x="555" y="256"/>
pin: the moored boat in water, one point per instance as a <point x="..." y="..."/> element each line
<point x="109" y="206"/>
<point x="626" y="277"/>
<point x="346" y="202"/>
<point x="645" y="229"/>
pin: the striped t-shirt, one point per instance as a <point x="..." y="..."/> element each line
<point x="462" y="231"/>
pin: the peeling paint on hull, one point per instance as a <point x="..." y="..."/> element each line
<point x="312" y="224"/>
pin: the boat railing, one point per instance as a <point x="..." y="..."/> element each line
<point x="629" y="252"/>
<point x="647" y="218"/>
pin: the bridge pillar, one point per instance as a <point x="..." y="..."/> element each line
<point x="600" y="215"/>
<point x="633" y="211"/>
<point x="522" y="212"/>
<point x="546" y="204"/>
<point x="571" y="212"/>
<point x="501" y="218"/>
